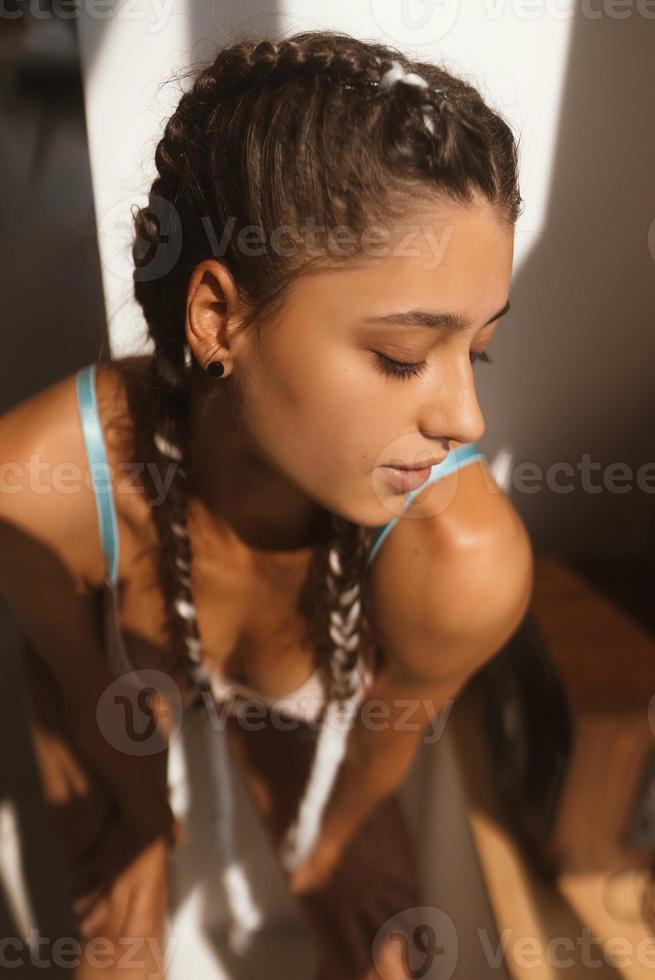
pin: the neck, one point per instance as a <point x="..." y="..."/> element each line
<point x="239" y="490"/>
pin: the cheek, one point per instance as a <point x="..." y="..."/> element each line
<point x="313" y="415"/>
<point x="342" y="415"/>
<point x="318" y="414"/>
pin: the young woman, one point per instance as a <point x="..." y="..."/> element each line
<point x="326" y="251"/>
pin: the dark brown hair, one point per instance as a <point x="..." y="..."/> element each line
<point x="269" y="135"/>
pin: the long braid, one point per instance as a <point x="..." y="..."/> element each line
<point x="170" y="439"/>
<point x="341" y="564"/>
<point x="268" y="134"/>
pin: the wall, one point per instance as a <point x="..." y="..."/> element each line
<point x="574" y="357"/>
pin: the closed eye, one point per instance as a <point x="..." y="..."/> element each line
<point x="408" y="369"/>
<point x="399" y="369"/>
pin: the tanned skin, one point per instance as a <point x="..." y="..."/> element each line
<point x="301" y="424"/>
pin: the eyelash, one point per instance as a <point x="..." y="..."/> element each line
<point x="402" y="369"/>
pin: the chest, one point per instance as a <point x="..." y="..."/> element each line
<point x="252" y="611"/>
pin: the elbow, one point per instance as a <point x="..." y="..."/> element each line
<point x="510" y="564"/>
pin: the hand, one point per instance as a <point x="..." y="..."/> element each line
<point x="315" y="871"/>
<point x="103" y="838"/>
<point x="345" y="892"/>
<point x="374" y="880"/>
<point x="135" y="903"/>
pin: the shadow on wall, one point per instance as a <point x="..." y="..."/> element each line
<point x="52" y="303"/>
<point x="574" y="359"/>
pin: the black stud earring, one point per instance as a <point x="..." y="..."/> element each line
<point x="216" y="369"/>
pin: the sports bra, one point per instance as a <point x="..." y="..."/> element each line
<point x="306" y="701"/>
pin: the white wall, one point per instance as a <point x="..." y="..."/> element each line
<point x="574" y="357"/>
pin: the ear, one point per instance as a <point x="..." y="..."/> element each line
<point x="212" y="311"/>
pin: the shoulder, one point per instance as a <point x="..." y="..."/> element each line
<point x="453" y="579"/>
<point x="45" y="489"/>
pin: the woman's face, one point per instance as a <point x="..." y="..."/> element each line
<point x="319" y="392"/>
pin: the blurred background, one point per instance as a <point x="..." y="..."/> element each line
<point x="558" y="840"/>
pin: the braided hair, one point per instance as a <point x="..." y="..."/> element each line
<point x="325" y="125"/>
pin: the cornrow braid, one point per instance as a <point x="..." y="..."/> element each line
<point x="320" y="124"/>
<point x="247" y="64"/>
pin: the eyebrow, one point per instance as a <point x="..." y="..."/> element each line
<point x="427" y="318"/>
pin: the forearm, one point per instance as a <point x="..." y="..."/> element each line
<point x="393" y="719"/>
<point x="82" y="749"/>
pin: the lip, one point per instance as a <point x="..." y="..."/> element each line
<point x="406" y="479"/>
<point x="424" y="465"/>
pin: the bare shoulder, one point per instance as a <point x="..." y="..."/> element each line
<point x="119" y="385"/>
<point x="46" y="490"/>
<point x="453" y="579"/>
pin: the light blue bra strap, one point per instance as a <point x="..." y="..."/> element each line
<point x="100" y="474"/>
<point x="456" y="458"/>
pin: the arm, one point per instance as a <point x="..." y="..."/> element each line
<point x="438" y="617"/>
<point x="51" y="566"/>
<point x="380" y="750"/>
<point x="108" y="803"/>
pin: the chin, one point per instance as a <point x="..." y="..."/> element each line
<point x="370" y="516"/>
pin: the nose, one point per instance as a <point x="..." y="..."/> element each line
<point x="451" y="409"/>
